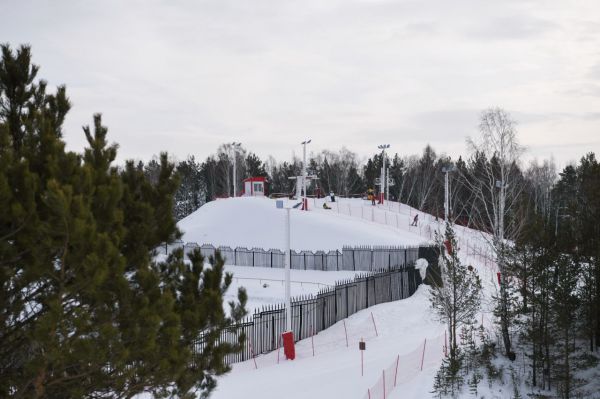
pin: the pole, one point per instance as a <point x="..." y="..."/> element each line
<point x="382" y="178"/>
<point x="387" y="186"/>
<point x="234" y="172"/>
<point x="288" y="254"/>
<point x="446" y="196"/>
<point x="304" y="174"/>
<point x="423" y="355"/>
<point x="361" y="364"/>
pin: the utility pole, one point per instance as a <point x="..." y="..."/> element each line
<point x="446" y="170"/>
<point x="288" y="254"/>
<point x="382" y="179"/>
<point x="235" y="147"/>
<point x="287" y="263"/>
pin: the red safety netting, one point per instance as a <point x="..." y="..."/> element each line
<point x="407" y="366"/>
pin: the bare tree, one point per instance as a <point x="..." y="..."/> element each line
<point x="540" y="180"/>
<point x="497" y="186"/>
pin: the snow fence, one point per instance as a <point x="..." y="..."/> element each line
<point x="407" y="366"/>
<point x="312" y="314"/>
<point x="351" y="258"/>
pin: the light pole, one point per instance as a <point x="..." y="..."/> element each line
<point x="382" y="179"/>
<point x="235" y="147"/>
<point x="304" y="173"/>
<point x="446" y="170"/>
<point x="287" y="234"/>
<point x="288" y="335"/>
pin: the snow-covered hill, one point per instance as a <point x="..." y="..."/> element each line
<point x="256" y="222"/>
<point x="334" y="370"/>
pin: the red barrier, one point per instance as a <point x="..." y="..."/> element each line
<point x="288" y="345"/>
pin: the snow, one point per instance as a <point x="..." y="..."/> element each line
<point x="334" y="371"/>
<point x="254" y="279"/>
<point x="402" y="326"/>
<point x="256" y="222"/>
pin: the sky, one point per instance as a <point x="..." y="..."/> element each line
<point x="184" y="76"/>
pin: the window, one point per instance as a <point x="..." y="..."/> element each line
<point x="258" y="187"/>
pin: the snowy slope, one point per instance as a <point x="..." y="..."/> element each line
<point x="334" y="370"/>
<point x="256" y="222"/>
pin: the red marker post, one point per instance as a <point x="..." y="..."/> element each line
<point x="288" y="345"/>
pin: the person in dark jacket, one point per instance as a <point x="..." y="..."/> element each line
<point x="415" y="220"/>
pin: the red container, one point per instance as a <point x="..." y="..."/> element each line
<point x="288" y="345"/>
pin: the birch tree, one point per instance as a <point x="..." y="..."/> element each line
<point x="496" y="189"/>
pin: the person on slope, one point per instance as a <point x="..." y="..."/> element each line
<point x="415" y="220"/>
<point x="325" y="206"/>
<point x="371" y="196"/>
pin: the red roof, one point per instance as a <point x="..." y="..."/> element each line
<point x="253" y="179"/>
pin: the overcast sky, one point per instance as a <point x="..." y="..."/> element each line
<point x="185" y="76"/>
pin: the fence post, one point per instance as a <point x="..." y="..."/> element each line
<point x="372" y="318"/>
<point x="423" y="355"/>
<point x="252" y="353"/>
<point x="345" y="332"/>
<point x="312" y="339"/>
<point x="278" y="346"/>
<point x="383" y="374"/>
<point x="396" y="373"/>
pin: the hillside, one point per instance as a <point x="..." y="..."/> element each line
<point x="334" y="371"/>
<point x="256" y="222"/>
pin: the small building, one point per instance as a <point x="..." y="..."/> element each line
<point x="255" y="187"/>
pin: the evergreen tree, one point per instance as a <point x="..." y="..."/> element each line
<point x="191" y="193"/>
<point x="84" y="310"/>
<point x="457" y="300"/>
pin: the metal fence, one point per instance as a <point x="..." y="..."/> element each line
<point x="313" y="314"/>
<point x="358" y="258"/>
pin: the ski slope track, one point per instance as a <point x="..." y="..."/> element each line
<point x="402" y="337"/>
<point x="256" y="222"/>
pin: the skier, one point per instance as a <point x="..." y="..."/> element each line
<point x="415" y="220"/>
<point x="371" y="196"/>
<point x="332" y="195"/>
<point x="325" y="206"/>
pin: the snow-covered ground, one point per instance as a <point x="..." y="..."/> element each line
<point x="334" y="370"/>
<point x="256" y="222"/>
<point x="265" y="286"/>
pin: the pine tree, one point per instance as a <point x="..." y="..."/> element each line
<point x="84" y="310"/>
<point x="456" y="301"/>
